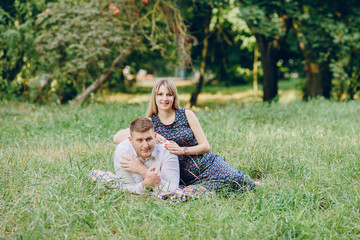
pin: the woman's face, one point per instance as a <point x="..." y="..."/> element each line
<point x="164" y="99"/>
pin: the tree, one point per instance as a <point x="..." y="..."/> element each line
<point x="328" y="35"/>
<point x="269" y="23"/>
<point x="94" y="38"/>
<point x="198" y="15"/>
<point x="17" y="53"/>
<point x="314" y="42"/>
<point x="222" y="47"/>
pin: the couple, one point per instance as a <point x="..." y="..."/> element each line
<point x="142" y="165"/>
<point x="181" y="133"/>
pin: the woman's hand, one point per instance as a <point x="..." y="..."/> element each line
<point x="134" y="165"/>
<point x="174" y="148"/>
<point x="159" y="138"/>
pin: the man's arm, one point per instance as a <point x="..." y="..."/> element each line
<point x="152" y="179"/>
<point x="128" y="181"/>
<point x="134" y="165"/>
<point x="170" y="173"/>
<point x="136" y="188"/>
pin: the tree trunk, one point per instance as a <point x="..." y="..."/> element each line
<point x="313" y="86"/>
<point x="223" y="65"/>
<point x="268" y="49"/>
<point x="103" y="78"/>
<point x="318" y="75"/>
<point x="326" y="77"/>
<point x="197" y="91"/>
<point x="255" y="70"/>
<point x="318" y="80"/>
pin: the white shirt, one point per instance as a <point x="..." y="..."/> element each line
<point x="167" y="163"/>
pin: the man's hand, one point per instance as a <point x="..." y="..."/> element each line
<point x="152" y="178"/>
<point x="134" y="165"/>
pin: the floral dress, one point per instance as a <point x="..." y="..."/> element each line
<point x="208" y="169"/>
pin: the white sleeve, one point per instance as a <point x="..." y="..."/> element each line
<point x="126" y="178"/>
<point x="133" y="188"/>
<point x="170" y="173"/>
<point x="119" y="152"/>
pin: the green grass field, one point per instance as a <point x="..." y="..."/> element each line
<point x="306" y="153"/>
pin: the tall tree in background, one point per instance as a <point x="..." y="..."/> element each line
<point x="316" y="44"/>
<point x="269" y="23"/>
<point x="245" y="41"/>
<point x="198" y="15"/>
<point x="93" y="38"/>
<point x="328" y="36"/>
<point x="224" y="48"/>
<point x="80" y="45"/>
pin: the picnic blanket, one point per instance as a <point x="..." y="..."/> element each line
<point x="182" y="194"/>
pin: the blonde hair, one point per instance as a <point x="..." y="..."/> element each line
<point x="152" y="109"/>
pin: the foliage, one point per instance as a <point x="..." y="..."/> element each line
<point x="306" y="153"/>
<point x="270" y="24"/>
<point x="229" y="53"/>
<point x="330" y="35"/>
<point x="345" y="35"/>
<point x="233" y="46"/>
<point x="18" y="58"/>
<point x="267" y="17"/>
<point x="79" y="41"/>
<point x="327" y="34"/>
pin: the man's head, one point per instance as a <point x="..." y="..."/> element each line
<point x="142" y="136"/>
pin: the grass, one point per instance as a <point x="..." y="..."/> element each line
<point x="307" y="153"/>
<point x="212" y="96"/>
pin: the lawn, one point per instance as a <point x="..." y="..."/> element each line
<point x="306" y="153"/>
<point x="212" y="95"/>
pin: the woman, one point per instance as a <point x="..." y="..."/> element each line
<point x="182" y="134"/>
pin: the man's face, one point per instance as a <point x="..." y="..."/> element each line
<point x="143" y="143"/>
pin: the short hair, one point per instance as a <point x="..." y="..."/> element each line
<point x="141" y="124"/>
<point x="152" y="108"/>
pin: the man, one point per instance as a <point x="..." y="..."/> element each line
<point x="143" y="164"/>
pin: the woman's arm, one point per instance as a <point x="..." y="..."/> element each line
<point x="203" y="144"/>
<point x="121" y="135"/>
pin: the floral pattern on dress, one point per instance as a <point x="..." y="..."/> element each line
<point x="209" y="169"/>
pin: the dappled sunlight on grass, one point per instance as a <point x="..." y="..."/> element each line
<point x="182" y="83"/>
<point x="289" y="96"/>
<point x="241" y="97"/>
<point x="126" y="98"/>
<point x="248" y="96"/>
<point x="209" y="96"/>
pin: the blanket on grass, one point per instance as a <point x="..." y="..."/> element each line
<point x="182" y="194"/>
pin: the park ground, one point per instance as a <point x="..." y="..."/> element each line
<point x="306" y="153"/>
<point x="218" y="94"/>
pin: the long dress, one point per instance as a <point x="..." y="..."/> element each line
<point x="209" y="169"/>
